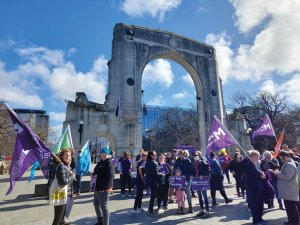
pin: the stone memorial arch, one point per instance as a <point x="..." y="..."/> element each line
<point x="132" y="48"/>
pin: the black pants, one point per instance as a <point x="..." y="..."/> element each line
<point x="256" y="204"/>
<point x="78" y="183"/>
<point x="238" y="187"/>
<point x="162" y="195"/>
<point x="152" y="198"/>
<point x="125" y="179"/>
<point x="292" y="211"/>
<point x="213" y="195"/>
<point x="59" y="212"/>
<point x="138" y="196"/>
<point x="226" y="171"/>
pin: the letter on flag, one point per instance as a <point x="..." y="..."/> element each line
<point x="264" y="129"/>
<point x="219" y="137"/>
<point x="84" y="162"/>
<point x="29" y="148"/>
<point x="65" y="141"/>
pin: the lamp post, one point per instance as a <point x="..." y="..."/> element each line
<point x="80" y="130"/>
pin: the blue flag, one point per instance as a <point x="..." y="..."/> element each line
<point x="84" y="161"/>
<point x="33" y="169"/>
<point x="29" y="148"/>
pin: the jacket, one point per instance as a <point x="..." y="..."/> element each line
<point x="287" y="182"/>
<point x="152" y="173"/>
<point x="64" y="177"/>
<point x="105" y="172"/>
<point x="253" y="180"/>
<point x="186" y="167"/>
<point x="203" y="168"/>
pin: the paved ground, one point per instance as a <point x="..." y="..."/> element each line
<point x="20" y="207"/>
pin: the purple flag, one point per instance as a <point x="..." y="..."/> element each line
<point x="29" y="148"/>
<point x="219" y="137"/>
<point x="264" y="129"/>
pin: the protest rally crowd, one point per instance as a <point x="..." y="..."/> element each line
<point x="174" y="177"/>
<point x="171" y="177"/>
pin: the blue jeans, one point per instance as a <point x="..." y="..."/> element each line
<point x="188" y="192"/>
<point x="203" y="195"/>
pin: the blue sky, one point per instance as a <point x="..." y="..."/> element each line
<point x="51" y="49"/>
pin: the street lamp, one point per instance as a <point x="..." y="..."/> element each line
<point x="80" y="130"/>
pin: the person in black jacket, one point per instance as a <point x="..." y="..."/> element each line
<point x="64" y="177"/>
<point x="254" y="183"/>
<point x="202" y="170"/>
<point x="236" y="167"/>
<point x="152" y="176"/>
<point x="105" y="173"/>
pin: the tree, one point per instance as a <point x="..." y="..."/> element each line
<point x="175" y="127"/>
<point x="255" y="107"/>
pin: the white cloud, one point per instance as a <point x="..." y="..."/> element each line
<point x="275" y="48"/>
<point x="269" y="86"/>
<point x="155" y="8"/>
<point x="158" y="72"/>
<point x="188" y="80"/>
<point x="15" y="89"/>
<point x="289" y="89"/>
<point x="222" y="43"/>
<point x="57" y="116"/>
<point x="43" y="68"/>
<point x="181" y="95"/>
<point x="158" y="101"/>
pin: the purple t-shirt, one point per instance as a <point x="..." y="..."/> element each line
<point x="126" y="166"/>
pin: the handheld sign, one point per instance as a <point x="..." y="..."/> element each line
<point x="178" y="182"/>
<point x="199" y="185"/>
<point x="222" y="159"/>
<point x="93" y="183"/>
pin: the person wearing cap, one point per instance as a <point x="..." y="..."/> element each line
<point x="105" y="173"/>
<point x="288" y="190"/>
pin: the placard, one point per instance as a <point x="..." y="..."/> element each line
<point x="93" y="183"/>
<point x="178" y="182"/>
<point x="199" y="185"/>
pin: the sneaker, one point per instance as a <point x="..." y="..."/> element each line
<point x="200" y="213"/>
<point x="134" y="211"/>
<point x="159" y="211"/>
<point x="165" y="207"/>
<point x="171" y="201"/>
<point x="205" y="215"/>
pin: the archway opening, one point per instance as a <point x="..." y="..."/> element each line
<point x="96" y="144"/>
<point x="170" y="115"/>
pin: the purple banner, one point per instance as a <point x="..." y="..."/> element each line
<point x="191" y="149"/>
<point x="178" y="182"/>
<point x="219" y="137"/>
<point x="200" y="184"/>
<point x="264" y="129"/>
<point x="29" y="148"/>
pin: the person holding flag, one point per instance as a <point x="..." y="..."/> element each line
<point x="64" y="177"/>
<point x="83" y="165"/>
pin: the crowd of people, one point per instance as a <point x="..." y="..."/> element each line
<point x="259" y="179"/>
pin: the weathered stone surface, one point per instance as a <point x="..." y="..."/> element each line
<point x="133" y="47"/>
